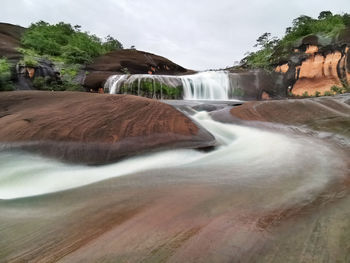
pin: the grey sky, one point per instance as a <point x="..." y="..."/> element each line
<point x="195" y="34"/>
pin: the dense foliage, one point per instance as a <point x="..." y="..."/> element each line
<point x="5" y="76"/>
<point x="271" y="49"/>
<point x="66" y="41"/>
<point x="67" y="47"/>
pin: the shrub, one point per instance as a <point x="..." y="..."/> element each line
<point x="317" y="93"/>
<point x="41" y="83"/>
<point x="30" y="62"/>
<point x="5" y="76"/>
<point x="327" y="93"/>
<point x="346" y="88"/>
<point x="337" y="90"/>
<point x="65" y="41"/>
<point x="272" y="50"/>
<point x="305" y="94"/>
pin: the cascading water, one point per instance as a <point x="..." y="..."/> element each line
<point x="211" y="85"/>
<point x="115" y="83"/>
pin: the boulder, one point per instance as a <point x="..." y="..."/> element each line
<point x="129" y="61"/>
<point x="329" y="114"/>
<point x="10" y="36"/>
<point x="93" y="128"/>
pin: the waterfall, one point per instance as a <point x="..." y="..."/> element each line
<point x="114" y="83"/>
<point x="211" y="85"/>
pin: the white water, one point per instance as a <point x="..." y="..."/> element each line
<point x="210" y="85"/>
<point x="298" y="168"/>
<point x="114" y="83"/>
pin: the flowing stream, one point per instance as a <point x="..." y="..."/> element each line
<point x="245" y="155"/>
<point x="233" y="204"/>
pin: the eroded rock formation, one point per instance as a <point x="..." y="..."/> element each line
<point x="93" y="128"/>
<point x="318" y="64"/>
<point x="330" y="114"/>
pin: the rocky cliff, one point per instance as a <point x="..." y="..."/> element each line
<point x="317" y="64"/>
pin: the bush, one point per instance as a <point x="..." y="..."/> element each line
<point x="65" y="41"/>
<point x="327" y="93"/>
<point x="317" y="93"/>
<point x="305" y="94"/>
<point x="30" y="62"/>
<point x="337" y="90"/>
<point x="5" y="76"/>
<point x="346" y="88"/>
<point x="41" y="83"/>
<point x="273" y="50"/>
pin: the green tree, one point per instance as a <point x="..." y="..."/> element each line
<point x="112" y="44"/>
<point x="262" y="57"/>
<point x="272" y="50"/>
<point x="325" y="15"/>
<point x="65" y="41"/>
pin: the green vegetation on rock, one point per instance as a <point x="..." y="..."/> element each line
<point x="67" y="42"/>
<point x="67" y="47"/>
<point x="273" y="50"/>
<point x="5" y="76"/>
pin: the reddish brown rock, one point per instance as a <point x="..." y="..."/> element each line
<point x="128" y="61"/>
<point x="317" y="64"/>
<point x="94" y="128"/>
<point x="331" y="114"/>
<point x="10" y="36"/>
<point x="318" y="73"/>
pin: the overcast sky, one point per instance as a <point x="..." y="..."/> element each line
<point x="195" y="34"/>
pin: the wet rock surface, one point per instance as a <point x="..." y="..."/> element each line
<point x="257" y="85"/>
<point x="330" y="114"/>
<point x="93" y="128"/>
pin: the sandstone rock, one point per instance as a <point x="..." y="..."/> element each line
<point x="318" y="64"/>
<point x="128" y="61"/>
<point x="330" y="114"/>
<point x="93" y="128"/>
